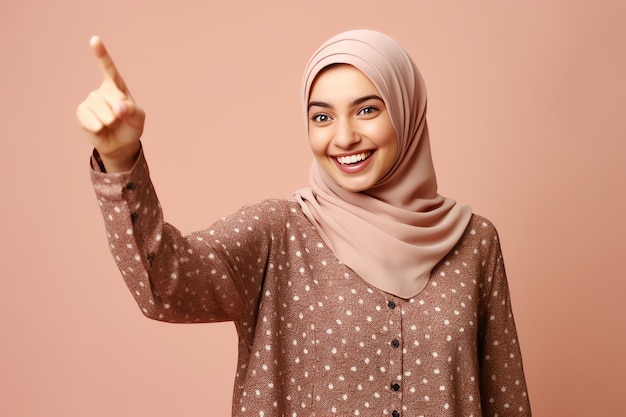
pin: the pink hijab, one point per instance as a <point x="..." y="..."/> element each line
<point x="394" y="234"/>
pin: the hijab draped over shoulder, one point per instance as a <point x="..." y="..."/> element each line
<point x="395" y="233"/>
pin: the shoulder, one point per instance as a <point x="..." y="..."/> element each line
<point x="276" y="206"/>
<point x="482" y="226"/>
<point x="271" y="212"/>
<point x="480" y="238"/>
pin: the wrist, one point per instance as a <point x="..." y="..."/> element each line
<point x="121" y="161"/>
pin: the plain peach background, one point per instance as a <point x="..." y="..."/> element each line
<point x="527" y="117"/>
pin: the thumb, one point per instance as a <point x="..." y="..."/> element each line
<point x="128" y="111"/>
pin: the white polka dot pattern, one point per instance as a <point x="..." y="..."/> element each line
<point x="314" y="338"/>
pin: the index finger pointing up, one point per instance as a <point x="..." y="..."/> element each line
<point x="109" y="70"/>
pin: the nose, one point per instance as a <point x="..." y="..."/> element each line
<point x="346" y="135"/>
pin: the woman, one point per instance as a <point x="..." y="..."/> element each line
<point x="366" y="293"/>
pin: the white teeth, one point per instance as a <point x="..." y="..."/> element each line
<point x="353" y="159"/>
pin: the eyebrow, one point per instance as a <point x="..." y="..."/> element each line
<point x="354" y="103"/>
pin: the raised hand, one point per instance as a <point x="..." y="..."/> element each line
<point x="113" y="121"/>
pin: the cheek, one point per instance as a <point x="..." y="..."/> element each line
<point x="317" y="141"/>
<point x="384" y="135"/>
<point x="387" y="142"/>
<point x="391" y="137"/>
<point x="392" y="142"/>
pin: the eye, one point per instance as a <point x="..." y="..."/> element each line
<point x="320" y="118"/>
<point x="367" y="111"/>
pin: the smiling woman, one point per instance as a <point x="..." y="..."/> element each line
<point x="350" y="132"/>
<point x="366" y="293"/>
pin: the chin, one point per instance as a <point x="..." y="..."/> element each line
<point x="354" y="188"/>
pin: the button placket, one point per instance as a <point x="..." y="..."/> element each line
<point x="395" y="356"/>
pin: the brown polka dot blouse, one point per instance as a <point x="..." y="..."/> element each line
<point x="314" y="338"/>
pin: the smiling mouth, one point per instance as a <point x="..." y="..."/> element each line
<point x="353" y="159"/>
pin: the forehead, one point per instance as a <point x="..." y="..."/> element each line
<point x="341" y="81"/>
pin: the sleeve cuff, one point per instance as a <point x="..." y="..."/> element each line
<point x="114" y="186"/>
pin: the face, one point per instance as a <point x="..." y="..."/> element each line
<point x="350" y="131"/>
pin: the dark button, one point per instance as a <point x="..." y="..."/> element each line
<point x="391" y="304"/>
<point x="150" y="258"/>
<point x="395" y="413"/>
<point x="133" y="217"/>
<point x="395" y="343"/>
<point x="131" y="186"/>
<point x="395" y="387"/>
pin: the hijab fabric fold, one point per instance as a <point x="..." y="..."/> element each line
<point x="395" y="233"/>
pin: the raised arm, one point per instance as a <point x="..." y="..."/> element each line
<point x="113" y="121"/>
<point x="211" y="275"/>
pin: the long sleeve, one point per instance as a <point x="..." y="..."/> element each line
<point x="211" y="275"/>
<point x="503" y="386"/>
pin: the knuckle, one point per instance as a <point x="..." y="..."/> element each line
<point x="94" y="95"/>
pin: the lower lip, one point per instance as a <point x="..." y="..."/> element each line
<point x="354" y="168"/>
